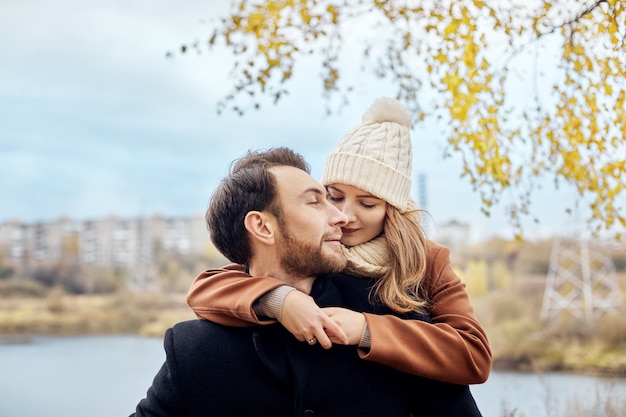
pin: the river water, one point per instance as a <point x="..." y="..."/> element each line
<point x="105" y="376"/>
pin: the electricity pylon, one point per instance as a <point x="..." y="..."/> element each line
<point x="580" y="280"/>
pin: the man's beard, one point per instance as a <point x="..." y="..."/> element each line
<point x="304" y="259"/>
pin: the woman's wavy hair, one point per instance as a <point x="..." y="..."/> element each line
<point x="401" y="287"/>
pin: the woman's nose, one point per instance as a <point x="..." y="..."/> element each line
<point x="348" y="212"/>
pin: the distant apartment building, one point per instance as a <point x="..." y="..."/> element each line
<point x="116" y="243"/>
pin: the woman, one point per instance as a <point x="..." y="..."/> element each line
<point x="368" y="178"/>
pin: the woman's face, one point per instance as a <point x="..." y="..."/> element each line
<point x="366" y="213"/>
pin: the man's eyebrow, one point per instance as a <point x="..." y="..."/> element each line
<point x="314" y="190"/>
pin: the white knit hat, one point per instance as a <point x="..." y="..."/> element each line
<point x="376" y="156"/>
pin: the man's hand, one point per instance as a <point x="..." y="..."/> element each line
<point x="351" y="322"/>
<point x="305" y="320"/>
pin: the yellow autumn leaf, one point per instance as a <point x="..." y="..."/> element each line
<point x="256" y="23"/>
<point x="441" y="57"/>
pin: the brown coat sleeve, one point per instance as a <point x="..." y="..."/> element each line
<point x="225" y="296"/>
<point x="453" y="349"/>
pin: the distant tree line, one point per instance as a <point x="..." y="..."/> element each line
<point x="175" y="272"/>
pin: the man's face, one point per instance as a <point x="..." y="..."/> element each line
<point x="310" y="227"/>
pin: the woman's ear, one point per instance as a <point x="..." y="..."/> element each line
<point x="260" y="227"/>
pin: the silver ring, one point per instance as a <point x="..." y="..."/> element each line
<point x="312" y="341"/>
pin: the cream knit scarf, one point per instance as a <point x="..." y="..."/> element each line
<point x="371" y="259"/>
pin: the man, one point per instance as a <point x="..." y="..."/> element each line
<point x="271" y="216"/>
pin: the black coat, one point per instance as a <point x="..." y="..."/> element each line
<point x="212" y="370"/>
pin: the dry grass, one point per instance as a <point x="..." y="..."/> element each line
<point x="92" y="314"/>
<point x="521" y="341"/>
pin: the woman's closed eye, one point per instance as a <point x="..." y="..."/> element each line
<point x="335" y="199"/>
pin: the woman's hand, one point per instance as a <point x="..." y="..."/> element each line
<point x="302" y="317"/>
<point x="351" y="322"/>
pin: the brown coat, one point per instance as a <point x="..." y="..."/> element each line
<point x="454" y="348"/>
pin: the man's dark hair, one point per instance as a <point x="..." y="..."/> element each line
<point x="249" y="186"/>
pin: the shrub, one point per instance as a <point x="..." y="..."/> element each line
<point x="17" y="287"/>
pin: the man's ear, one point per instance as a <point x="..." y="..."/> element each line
<point x="260" y="227"/>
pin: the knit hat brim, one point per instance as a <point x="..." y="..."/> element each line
<point x="369" y="175"/>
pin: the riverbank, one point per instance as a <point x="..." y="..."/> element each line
<point x="518" y="344"/>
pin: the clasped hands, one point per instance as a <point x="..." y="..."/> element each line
<point x="302" y="317"/>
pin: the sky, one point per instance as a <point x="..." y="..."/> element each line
<point x="96" y="121"/>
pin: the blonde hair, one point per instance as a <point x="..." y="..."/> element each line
<point x="401" y="287"/>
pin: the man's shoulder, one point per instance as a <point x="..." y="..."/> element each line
<point x="193" y="324"/>
<point x="191" y="331"/>
<point x="196" y="330"/>
<point x="203" y="336"/>
<point x="201" y="326"/>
